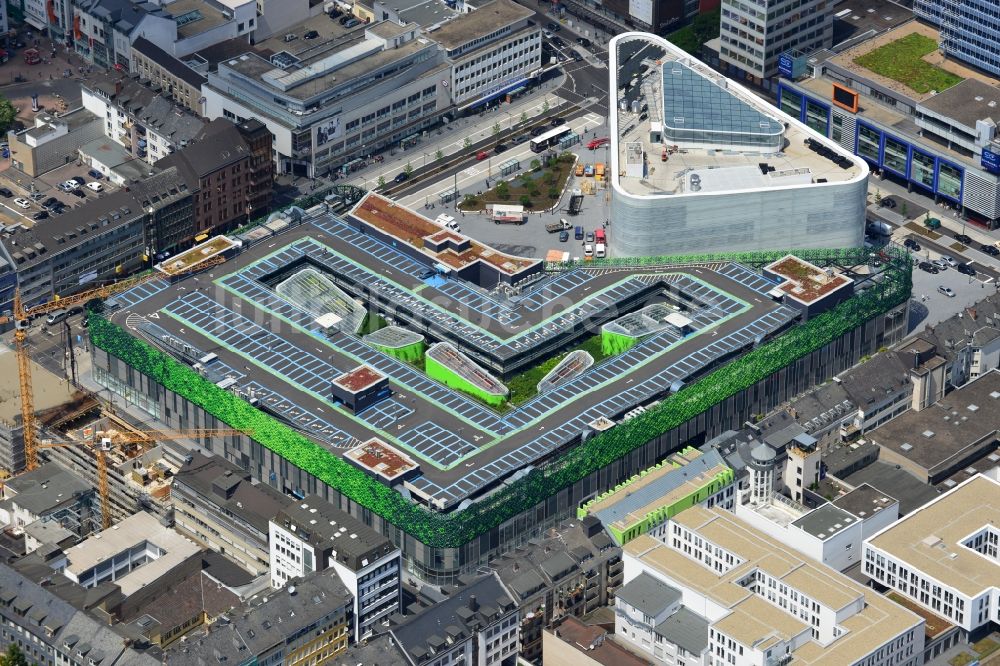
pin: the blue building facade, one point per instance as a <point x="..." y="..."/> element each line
<point x="892" y="153"/>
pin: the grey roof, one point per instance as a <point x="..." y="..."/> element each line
<point x="526" y="584"/>
<point x="877" y="378"/>
<point x="168" y="62"/>
<point x="825" y="521"/>
<point x="266" y="620"/>
<point x="966" y="102"/>
<point x="255" y="504"/>
<point x="149" y="107"/>
<point x="648" y="595"/>
<point x="663" y="485"/>
<point x="911" y="492"/>
<point x="381" y="650"/>
<point x="68" y="625"/>
<point x="217" y="145"/>
<point x="559" y="565"/>
<point x="46" y="488"/>
<point x="102" y="215"/>
<point x="480" y="23"/>
<point x="954" y="333"/>
<point x="467" y="611"/>
<point x="864" y="501"/>
<point x="686" y="629"/>
<point x="985" y="335"/>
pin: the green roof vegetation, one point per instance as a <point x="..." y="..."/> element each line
<point x="902" y="61"/>
<point x="459" y="527"/>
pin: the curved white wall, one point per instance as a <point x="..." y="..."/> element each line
<point x="792" y="217"/>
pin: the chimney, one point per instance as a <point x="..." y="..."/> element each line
<point x="473" y="604"/>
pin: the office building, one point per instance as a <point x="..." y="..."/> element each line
<point x="475" y="624"/>
<point x="52" y="141"/>
<point x="754" y="35"/>
<point x="216" y="505"/>
<point x="493" y="51"/>
<point x="938" y="143"/>
<point x="760" y="602"/>
<point x="104" y="30"/>
<point x="329" y="100"/>
<point x="943" y="556"/>
<point x="970" y="30"/>
<point x="230" y="165"/>
<point x="139" y="118"/>
<point x="308" y="622"/>
<point x="935" y="443"/>
<point x="103" y="239"/>
<point x="312" y="535"/>
<point x="700" y="164"/>
<point x="49" y="493"/>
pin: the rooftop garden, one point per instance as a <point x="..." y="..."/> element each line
<point x="903" y="61"/>
<point x="457" y="528"/>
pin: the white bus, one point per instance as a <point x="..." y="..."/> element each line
<point x="546" y="140"/>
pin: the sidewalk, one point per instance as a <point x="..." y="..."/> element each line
<point x="450" y="140"/>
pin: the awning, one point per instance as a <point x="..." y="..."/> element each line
<point x="200" y="237"/>
<point x="492" y="96"/>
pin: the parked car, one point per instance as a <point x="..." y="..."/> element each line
<point x="78" y="193"/>
<point x="78" y="180"/>
<point x="500" y="147"/>
<point x="912" y="244"/>
<point x="556" y="122"/>
<point x="991" y="250"/>
<point x="578" y="233"/>
<point x="928" y="267"/>
<point x="95" y="187"/>
<point x="966" y="269"/>
<point x="964" y="239"/>
<point x="40" y="215"/>
<point x="949" y="260"/>
<point x="590" y="237"/>
<point x="69" y="185"/>
<point x="563" y="236"/>
<point x="6" y="193"/>
<point x="947" y="291"/>
<point x="22" y="203"/>
<point x="95" y="174"/>
<point x="553" y="26"/>
<point x="941" y="265"/>
<point x="538" y="130"/>
<point x="401" y="177"/>
<point x="888" y="203"/>
<point x="312" y="34"/>
<point x="577" y="56"/>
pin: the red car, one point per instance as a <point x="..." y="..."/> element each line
<point x="597" y="143"/>
<point x="482" y="155"/>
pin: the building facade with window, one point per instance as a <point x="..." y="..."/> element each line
<point x="944" y="556"/>
<point x="970" y="29"/>
<point x="762" y="602"/>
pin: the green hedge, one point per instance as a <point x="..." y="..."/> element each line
<point x="458" y="528"/>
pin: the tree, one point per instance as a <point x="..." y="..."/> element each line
<point x="439" y="154"/>
<point x="466" y="142"/>
<point x="553" y="192"/>
<point x="526" y="201"/>
<point x="536" y="165"/>
<point x="496" y="131"/>
<point x="381" y="181"/>
<point x="524" y="116"/>
<point x="8" y="114"/>
<point x="408" y="169"/>
<point x="878" y="197"/>
<point x="545" y="106"/>
<point x="503" y="189"/>
<point x="13" y="657"/>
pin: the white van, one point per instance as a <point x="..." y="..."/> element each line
<point x="600" y="251"/>
<point x="55" y="317"/>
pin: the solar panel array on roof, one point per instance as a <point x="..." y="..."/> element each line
<point x="692" y="102"/>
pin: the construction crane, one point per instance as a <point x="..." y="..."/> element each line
<point x="103" y="443"/>
<point x="21" y="319"/>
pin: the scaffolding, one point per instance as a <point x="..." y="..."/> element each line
<point x="313" y="292"/>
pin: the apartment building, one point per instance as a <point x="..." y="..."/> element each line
<point x="49" y="493"/>
<point x="475" y="625"/>
<point x="139" y="117"/>
<point x="762" y="602"/>
<point x="177" y="81"/>
<point x="493" y="51"/>
<point x="754" y="34"/>
<point x="230" y="163"/>
<point x="313" y="535"/>
<point x="944" y="556"/>
<point x="104" y="30"/>
<point x="216" y="505"/>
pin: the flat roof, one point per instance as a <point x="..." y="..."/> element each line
<point x="750" y="617"/>
<point x="134" y="530"/>
<point x="864" y="501"/>
<point x="705" y="100"/>
<point x="481" y="22"/>
<point x="966" y="102"/>
<point x="379" y="458"/>
<point x="275" y="348"/>
<point x="941" y="434"/>
<point x="194" y="17"/>
<point x="931" y="538"/>
<point x="806" y="282"/>
<point x="359" y="379"/>
<point x="196" y="255"/>
<point x="825" y="521"/>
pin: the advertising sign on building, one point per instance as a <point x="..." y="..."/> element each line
<point x="641" y="11"/>
<point x="991" y="161"/>
<point x="327" y="131"/>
